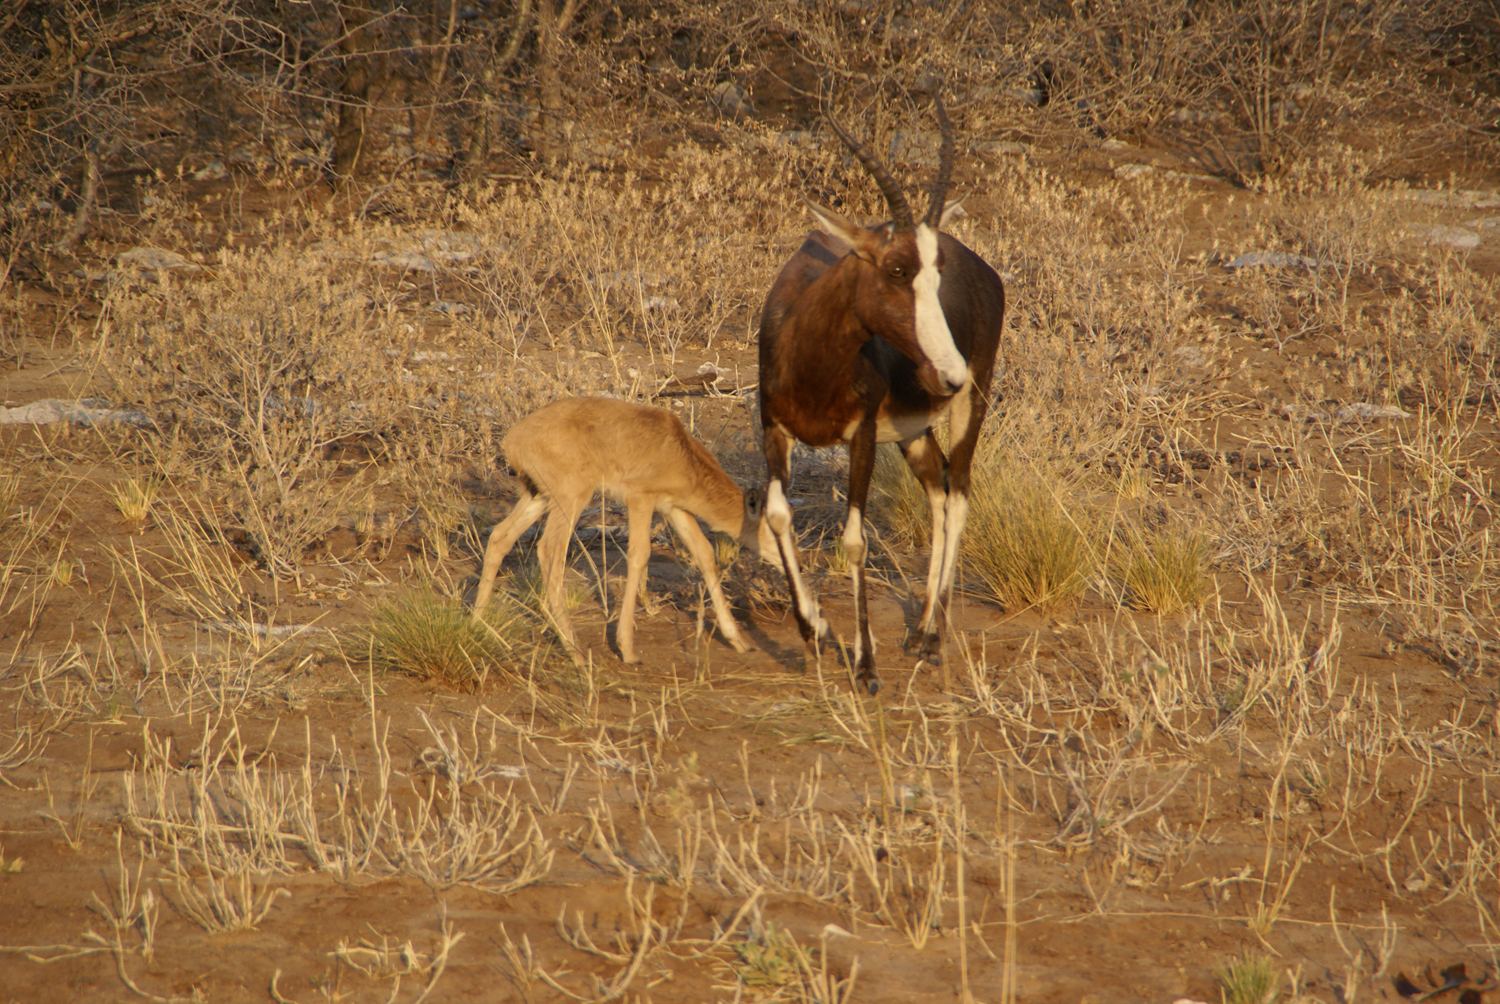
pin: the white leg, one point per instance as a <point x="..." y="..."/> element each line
<point x="854" y="550"/>
<point x="779" y="516"/>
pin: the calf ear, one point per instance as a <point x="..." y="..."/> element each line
<point x="755" y="504"/>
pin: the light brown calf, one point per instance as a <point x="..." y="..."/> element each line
<point x="642" y="456"/>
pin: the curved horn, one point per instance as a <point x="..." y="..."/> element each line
<point x="894" y="197"/>
<point x="945" y="165"/>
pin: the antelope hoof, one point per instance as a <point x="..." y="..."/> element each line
<point x="816" y="633"/>
<point x="739" y="643"/>
<point x="931" y="650"/>
<point x="868" y="681"/>
<point x="629" y="658"/>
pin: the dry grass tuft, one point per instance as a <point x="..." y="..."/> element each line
<point x="1164" y="572"/>
<point x="10" y="489"/>
<point x="1022" y="544"/>
<point x="134" y="498"/>
<point x="1248" y="980"/>
<point x="431" y="637"/>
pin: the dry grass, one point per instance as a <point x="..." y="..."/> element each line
<point x="134" y="498"/>
<point x="1249" y="980"/>
<point x="1023" y="543"/>
<point x="1306" y="753"/>
<point x="898" y="500"/>
<point x="1163" y="572"/>
<point x="433" y="638"/>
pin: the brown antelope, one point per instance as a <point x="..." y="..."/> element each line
<point x="871" y="334"/>
<point x="642" y="456"/>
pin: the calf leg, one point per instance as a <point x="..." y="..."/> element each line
<point x="638" y="555"/>
<point x="552" y="555"/>
<point x="686" y="528"/>
<point x="529" y="508"/>
<point x="966" y="414"/>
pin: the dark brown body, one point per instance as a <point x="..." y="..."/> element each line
<point x="854" y="350"/>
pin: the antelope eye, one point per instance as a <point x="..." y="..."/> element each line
<point x="897" y="272"/>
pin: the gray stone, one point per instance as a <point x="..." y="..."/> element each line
<point x="731" y="99"/>
<point x="154" y="259"/>
<point x="1254" y="259"/>
<point x="999" y="148"/>
<point x="89" y="411"/>
<point x="1453" y="237"/>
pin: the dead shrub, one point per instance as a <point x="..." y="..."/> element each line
<point x="257" y="373"/>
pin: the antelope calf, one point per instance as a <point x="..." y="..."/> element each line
<point x="642" y="456"/>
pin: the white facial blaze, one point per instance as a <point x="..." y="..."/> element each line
<point x="933" y="335"/>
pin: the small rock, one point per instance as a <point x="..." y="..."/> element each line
<point x="154" y="259"/>
<point x="1189" y="176"/>
<point x="1115" y="144"/>
<point x="731" y="99"/>
<point x="1126" y="172"/>
<point x="1453" y="237"/>
<point x="1254" y="259"/>
<point x="1366" y="412"/>
<point x="999" y="148"/>
<point x="1191" y="115"/>
<point x="89" y="411"/>
<point x="213" y="171"/>
<point x="1454" y="198"/>
<point x="407" y="261"/>
<point x="915" y="147"/>
<point x="793" y="137"/>
<point x="449" y="307"/>
<point x="659" y="303"/>
<point x="1361" y="411"/>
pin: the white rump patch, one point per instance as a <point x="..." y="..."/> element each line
<point x="933" y="336"/>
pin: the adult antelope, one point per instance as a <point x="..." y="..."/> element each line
<point x="869" y="335"/>
<point x="570" y="449"/>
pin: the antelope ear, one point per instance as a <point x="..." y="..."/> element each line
<point x="754" y="504"/>
<point x="840" y="226"/>
<point x="952" y="211"/>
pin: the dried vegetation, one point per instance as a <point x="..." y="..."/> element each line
<point x="1220" y="698"/>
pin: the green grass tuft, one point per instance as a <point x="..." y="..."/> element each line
<point x="431" y="637"/>
<point x="1164" y="573"/>
<point x="1022" y="544"/>
<point x="1248" y="980"/>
